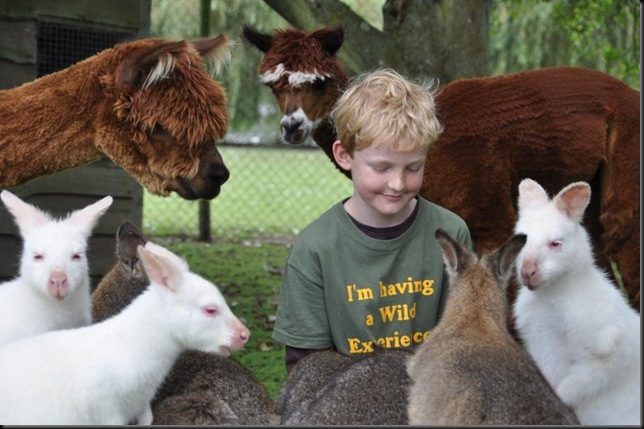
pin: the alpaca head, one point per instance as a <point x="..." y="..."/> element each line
<point x="164" y="113"/>
<point x="302" y="71"/>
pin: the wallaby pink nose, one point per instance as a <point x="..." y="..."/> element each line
<point x="242" y="335"/>
<point x="529" y="274"/>
<point x="58" y="285"/>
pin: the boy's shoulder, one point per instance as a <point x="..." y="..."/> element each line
<point x="440" y="214"/>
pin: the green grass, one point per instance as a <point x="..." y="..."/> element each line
<point x="270" y="190"/>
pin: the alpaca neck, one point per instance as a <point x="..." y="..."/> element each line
<point x="46" y="125"/>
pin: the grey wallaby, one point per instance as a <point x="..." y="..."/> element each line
<point x="201" y="388"/>
<point x="329" y="388"/>
<point x="470" y="370"/>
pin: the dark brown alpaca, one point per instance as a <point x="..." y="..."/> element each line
<point x="555" y="125"/>
<point x="149" y="105"/>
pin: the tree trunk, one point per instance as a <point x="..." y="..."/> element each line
<point x="446" y="39"/>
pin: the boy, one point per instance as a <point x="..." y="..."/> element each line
<point x="368" y="272"/>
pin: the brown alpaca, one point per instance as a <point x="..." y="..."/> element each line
<point x="555" y="125"/>
<point x="149" y="105"/>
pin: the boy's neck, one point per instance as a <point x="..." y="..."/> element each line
<point x="390" y="232"/>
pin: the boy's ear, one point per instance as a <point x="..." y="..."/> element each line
<point x="342" y="157"/>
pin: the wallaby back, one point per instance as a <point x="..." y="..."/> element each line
<point x="201" y="388"/>
<point x="366" y="390"/>
<point x="470" y="370"/>
<point x="52" y="290"/>
<point x="574" y="321"/>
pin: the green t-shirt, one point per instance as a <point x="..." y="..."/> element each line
<point x="344" y="289"/>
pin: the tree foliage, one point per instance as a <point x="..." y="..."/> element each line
<point x="440" y="38"/>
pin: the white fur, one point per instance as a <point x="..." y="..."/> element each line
<point x="52" y="290"/>
<point x="574" y="321"/>
<point x="108" y="372"/>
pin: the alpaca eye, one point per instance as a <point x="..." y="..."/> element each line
<point x="320" y="84"/>
<point x="210" y="310"/>
<point x="158" y="129"/>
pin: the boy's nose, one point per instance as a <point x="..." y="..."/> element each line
<point x="396" y="182"/>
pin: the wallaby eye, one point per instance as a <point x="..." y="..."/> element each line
<point x="210" y="310"/>
<point x="38" y="257"/>
<point x="556" y="244"/>
<point x="76" y="257"/>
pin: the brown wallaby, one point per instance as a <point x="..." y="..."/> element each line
<point x="201" y="388"/>
<point x="470" y="370"/>
<point x="328" y="388"/>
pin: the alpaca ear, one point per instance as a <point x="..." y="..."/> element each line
<point x="162" y="266"/>
<point x="87" y="217"/>
<point x="573" y="200"/>
<point x="261" y="41"/>
<point x="27" y="216"/>
<point x="214" y="50"/>
<point x="148" y="65"/>
<point x="330" y="38"/>
<point x="531" y="194"/>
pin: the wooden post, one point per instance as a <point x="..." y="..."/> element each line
<point x="205" y="231"/>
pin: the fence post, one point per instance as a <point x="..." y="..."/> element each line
<point x="204" y="205"/>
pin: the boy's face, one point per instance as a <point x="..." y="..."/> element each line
<point x="384" y="183"/>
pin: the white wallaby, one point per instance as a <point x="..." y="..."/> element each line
<point x="108" y="373"/>
<point x="52" y="290"/>
<point x="573" y="320"/>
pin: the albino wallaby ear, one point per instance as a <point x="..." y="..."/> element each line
<point x="454" y="255"/>
<point x="87" y="217"/>
<point x="162" y="266"/>
<point x="27" y="216"/>
<point x="573" y="200"/>
<point x="531" y="194"/>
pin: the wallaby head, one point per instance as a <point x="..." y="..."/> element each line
<point x="126" y="280"/>
<point x="128" y="239"/>
<point x="198" y="314"/>
<point x="54" y="256"/>
<point x="461" y="263"/>
<point x="557" y="243"/>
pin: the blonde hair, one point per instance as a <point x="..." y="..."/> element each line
<point x="383" y="107"/>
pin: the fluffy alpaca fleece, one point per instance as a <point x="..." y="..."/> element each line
<point x="149" y="105"/>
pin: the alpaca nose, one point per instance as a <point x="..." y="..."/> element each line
<point x="217" y="173"/>
<point x="290" y="125"/>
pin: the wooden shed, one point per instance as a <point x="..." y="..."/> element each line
<point x="38" y="37"/>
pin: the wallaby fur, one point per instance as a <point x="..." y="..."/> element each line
<point x="201" y="388"/>
<point x="366" y="390"/>
<point x="306" y="379"/>
<point x="470" y="370"/>
<point x="107" y="373"/>
<point x="52" y="290"/>
<point x="126" y="280"/>
<point x="574" y="321"/>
